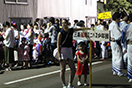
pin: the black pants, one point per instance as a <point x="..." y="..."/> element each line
<point x="30" y="52"/>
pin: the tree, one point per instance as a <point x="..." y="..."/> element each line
<point x="116" y="5"/>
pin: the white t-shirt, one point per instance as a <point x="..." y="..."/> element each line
<point x="15" y="33"/>
<point x="100" y="27"/>
<point x="114" y="29"/>
<point x="36" y="31"/>
<point x="123" y="24"/>
<point x="30" y="39"/>
<point x="53" y="31"/>
<point x="129" y="32"/>
<point x="21" y="33"/>
<point x="9" y="42"/>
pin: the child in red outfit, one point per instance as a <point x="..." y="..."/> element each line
<point x="82" y="63"/>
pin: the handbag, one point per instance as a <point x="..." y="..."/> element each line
<point x="55" y="52"/>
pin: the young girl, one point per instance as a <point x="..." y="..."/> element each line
<point x="82" y="63"/>
<point x="46" y="48"/>
<point x="36" y="48"/>
<point x="24" y="53"/>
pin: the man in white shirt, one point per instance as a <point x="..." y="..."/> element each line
<point x="9" y="45"/>
<point x="117" y="61"/>
<point x="100" y="26"/>
<point x="129" y="49"/>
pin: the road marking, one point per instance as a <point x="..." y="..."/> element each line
<point x="32" y="77"/>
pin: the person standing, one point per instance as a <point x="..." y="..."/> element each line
<point x="53" y="31"/>
<point x="98" y="47"/>
<point x="104" y="51"/>
<point x="9" y="45"/>
<point x="65" y="53"/>
<point x="16" y="40"/>
<point x="128" y="35"/>
<point x="82" y="63"/>
<point x="30" y="37"/>
<point x="46" y="49"/>
<point x="24" y="53"/>
<point x="115" y="32"/>
<point x="123" y="25"/>
<point x="100" y="26"/>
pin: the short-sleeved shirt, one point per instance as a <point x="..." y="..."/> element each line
<point x="15" y="33"/>
<point x="100" y="27"/>
<point x="37" y="31"/>
<point x="68" y="41"/>
<point x="30" y="39"/>
<point x="9" y="42"/>
<point x="129" y="32"/>
<point x="123" y="24"/>
<point x="114" y="28"/>
<point x="53" y="31"/>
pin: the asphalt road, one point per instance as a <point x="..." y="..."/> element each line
<point x="48" y="77"/>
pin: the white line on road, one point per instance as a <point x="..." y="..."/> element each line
<point x="32" y="77"/>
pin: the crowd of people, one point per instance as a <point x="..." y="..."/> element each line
<point x="29" y="43"/>
<point x="121" y="44"/>
<point x="36" y="42"/>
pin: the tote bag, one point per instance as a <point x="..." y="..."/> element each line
<point x="55" y="52"/>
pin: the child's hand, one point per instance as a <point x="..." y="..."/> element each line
<point x="84" y="60"/>
<point x="81" y="61"/>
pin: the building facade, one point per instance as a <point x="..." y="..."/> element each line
<point x="25" y="11"/>
<point x="20" y="11"/>
<point x="72" y="9"/>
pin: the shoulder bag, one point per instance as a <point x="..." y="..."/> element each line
<point x="55" y="52"/>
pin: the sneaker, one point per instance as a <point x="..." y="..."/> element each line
<point x="130" y="80"/>
<point x="70" y="86"/>
<point x="85" y="84"/>
<point x="64" y="86"/>
<point x="79" y="83"/>
<point x="114" y="73"/>
<point x="121" y="74"/>
<point x="16" y="65"/>
<point x="6" y="69"/>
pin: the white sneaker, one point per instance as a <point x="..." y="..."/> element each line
<point x="79" y="83"/>
<point x="70" y="86"/>
<point x="114" y="73"/>
<point x="6" y="69"/>
<point x="85" y="84"/>
<point x="64" y="86"/>
<point x="130" y="80"/>
<point x="121" y="74"/>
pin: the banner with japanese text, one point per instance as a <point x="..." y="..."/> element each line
<point x="96" y="35"/>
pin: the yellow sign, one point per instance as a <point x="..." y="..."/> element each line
<point x="105" y="15"/>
